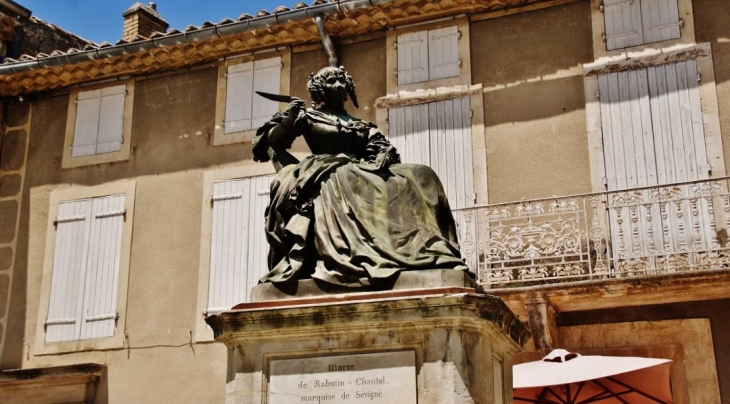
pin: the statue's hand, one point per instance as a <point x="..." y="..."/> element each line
<point x="381" y="161"/>
<point x="296" y="106"/>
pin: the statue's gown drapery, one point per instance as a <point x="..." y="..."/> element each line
<point x="336" y="218"/>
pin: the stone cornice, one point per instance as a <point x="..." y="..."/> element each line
<point x="343" y="25"/>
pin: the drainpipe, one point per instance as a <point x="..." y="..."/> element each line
<point x="312" y="12"/>
<point x="329" y="47"/>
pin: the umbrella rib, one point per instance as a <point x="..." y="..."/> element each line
<point x="577" y="393"/>
<point x="611" y="393"/>
<point x="550" y="390"/>
<point x="636" y="390"/>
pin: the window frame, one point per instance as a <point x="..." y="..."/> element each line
<point x="67" y="194"/>
<point x="464" y="77"/>
<point x="686" y="33"/>
<point x="219" y="136"/>
<point x="68" y="161"/>
<point x="202" y="331"/>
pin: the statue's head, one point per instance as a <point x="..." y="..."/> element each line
<point x="316" y="84"/>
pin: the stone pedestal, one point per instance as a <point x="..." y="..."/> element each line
<point x="438" y="345"/>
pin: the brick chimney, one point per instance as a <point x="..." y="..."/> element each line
<point x="141" y="20"/>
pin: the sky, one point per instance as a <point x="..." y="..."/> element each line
<point x="101" y="20"/>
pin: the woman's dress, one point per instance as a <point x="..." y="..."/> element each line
<point x="337" y="217"/>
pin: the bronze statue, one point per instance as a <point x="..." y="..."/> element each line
<point x="350" y="214"/>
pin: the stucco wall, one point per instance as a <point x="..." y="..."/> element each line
<point x="711" y="25"/>
<point x="534" y="107"/>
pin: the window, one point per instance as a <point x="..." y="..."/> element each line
<point x="432" y="58"/>
<point x="240" y="111"/>
<point x="653" y="134"/>
<point x="653" y="128"/>
<point x="637" y="22"/>
<point x="86" y="265"/>
<point x="428" y="55"/>
<point x="238" y="247"/>
<point x="99" y="125"/>
<point x="233" y="249"/>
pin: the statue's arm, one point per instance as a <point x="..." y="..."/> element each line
<point x="277" y="135"/>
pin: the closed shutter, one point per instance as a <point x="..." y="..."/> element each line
<point x="443" y="53"/>
<point x="412" y="58"/>
<point x="238" y="244"/>
<point x="623" y="23"/>
<point x="69" y="271"/>
<point x="653" y="135"/>
<point x="267" y="76"/>
<point x="100" y="310"/>
<point x="111" y="117"/>
<point x="660" y="20"/>
<point x="86" y="128"/>
<point x="239" y="87"/>
<point x="439" y="135"/>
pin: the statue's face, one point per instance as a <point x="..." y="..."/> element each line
<point x="335" y="89"/>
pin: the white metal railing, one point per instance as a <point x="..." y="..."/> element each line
<point x="642" y="231"/>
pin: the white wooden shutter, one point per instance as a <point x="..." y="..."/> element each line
<point x="267" y="77"/>
<point x="69" y="271"/>
<point x="111" y="117"/>
<point x="239" y="90"/>
<point x="438" y="135"/>
<point x="623" y="23"/>
<point x="677" y="118"/>
<point x="412" y="57"/>
<point x="102" y="268"/>
<point x="238" y="243"/>
<point x="409" y="133"/>
<point x="443" y="53"/>
<point x="660" y="20"/>
<point x="653" y="135"/>
<point x="86" y="128"/>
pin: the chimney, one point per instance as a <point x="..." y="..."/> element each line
<point x="143" y="21"/>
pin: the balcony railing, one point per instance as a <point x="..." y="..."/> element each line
<point x="637" y="232"/>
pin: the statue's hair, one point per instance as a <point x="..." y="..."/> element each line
<point x="316" y="82"/>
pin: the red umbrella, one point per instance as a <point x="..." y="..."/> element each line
<point x="563" y="377"/>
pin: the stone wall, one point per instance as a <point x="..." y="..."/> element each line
<point x="13" y="154"/>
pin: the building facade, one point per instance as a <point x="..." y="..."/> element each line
<point x="581" y="144"/>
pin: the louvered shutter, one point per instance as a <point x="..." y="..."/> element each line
<point x="267" y="77"/>
<point x="102" y="279"/>
<point x="239" y="87"/>
<point x="86" y="128"/>
<point x="69" y="271"/>
<point x="111" y="118"/>
<point x="678" y="120"/>
<point x="443" y="53"/>
<point x="238" y="244"/>
<point x="409" y="133"/>
<point x="653" y="135"/>
<point x="258" y="248"/>
<point x="623" y="23"/>
<point x="412" y="58"/>
<point x="660" y="20"/>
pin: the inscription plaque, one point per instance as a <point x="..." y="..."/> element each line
<point x="383" y="377"/>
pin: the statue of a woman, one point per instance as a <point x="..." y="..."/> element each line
<point x="350" y="213"/>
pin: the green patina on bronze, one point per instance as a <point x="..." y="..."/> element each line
<point x="350" y="214"/>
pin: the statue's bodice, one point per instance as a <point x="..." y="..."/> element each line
<point x="327" y="133"/>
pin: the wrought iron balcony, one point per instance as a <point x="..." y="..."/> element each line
<point x="638" y="232"/>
